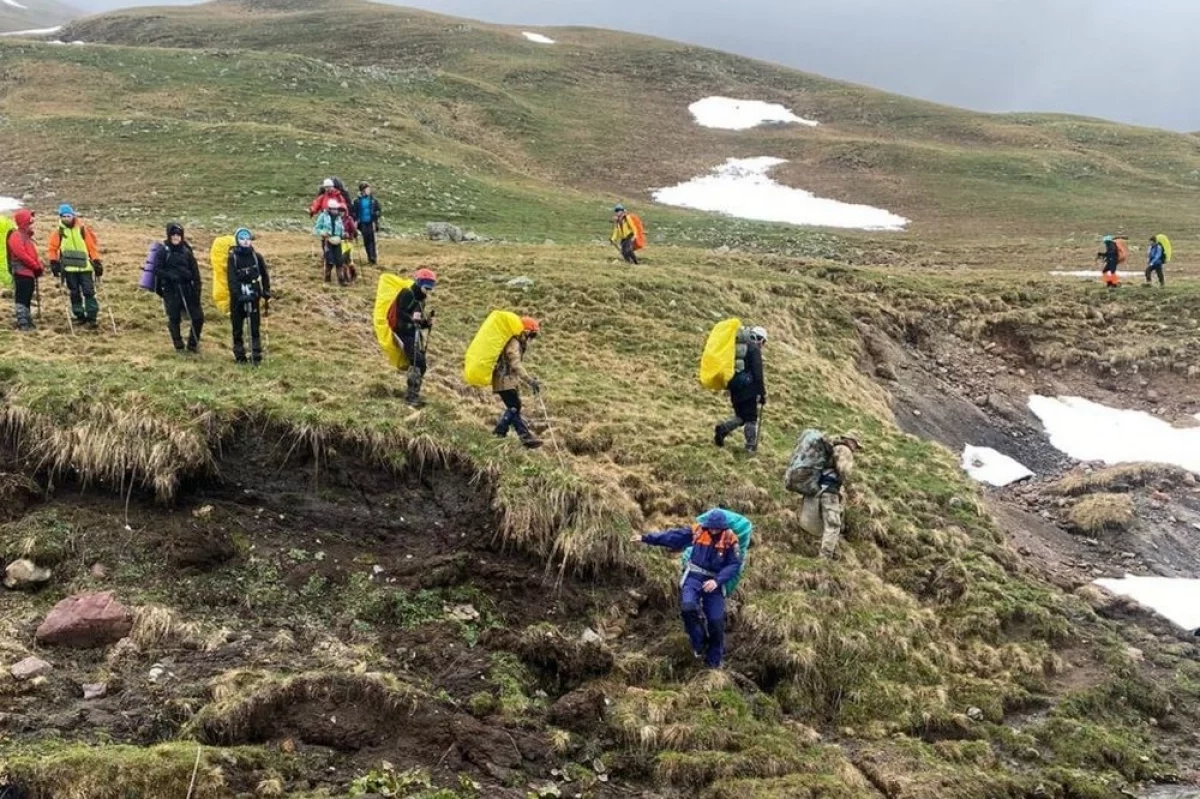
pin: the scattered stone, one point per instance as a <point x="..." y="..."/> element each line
<point x="1159" y="496"/>
<point x="24" y="573"/>
<point x="1152" y="395"/>
<point x="975" y="714"/>
<point x="203" y="511"/>
<point x="590" y="636"/>
<point x="523" y="283"/>
<point x="1135" y="654"/>
<point x="549" y="243"/>
<point x="30" y="668"/>
<point x="94" y="690"/>
<point x="444" y="231"/>
<point x="885" y="371"/>
<point x="1189" y="479"/>
<point x="98" y="571"/>
<point x="86" y="620"/>
<point x="1026" y="551"/>
<point x="157" y="672"/>
<point x="464" y="613"/>
<point x="125" y="648"/>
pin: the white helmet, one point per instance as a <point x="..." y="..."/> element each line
<point x="758" y="334"/>
<point x="333" y="205"/>
<point x="327" y="183"/>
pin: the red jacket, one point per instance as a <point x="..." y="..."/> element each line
<point x="318" y="205"/>
<point x="23" y="258"/>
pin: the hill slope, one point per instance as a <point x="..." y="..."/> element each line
<point x="21" y="15"/>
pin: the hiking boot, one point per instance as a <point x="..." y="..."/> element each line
<point x="719" y="435"/>
<point x="751" y="438"/>
<point x="417" y="402"/>
<point x="531" y="443"/>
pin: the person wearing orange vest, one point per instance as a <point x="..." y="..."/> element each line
<point x="75" y="258"/>
<point x="623" y="234"/>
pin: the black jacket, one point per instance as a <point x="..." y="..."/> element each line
<point x="409" y="302"/>
<point x="247" y="268"/>
<point x="749" y="383"/>
<point x="176" y="268"/>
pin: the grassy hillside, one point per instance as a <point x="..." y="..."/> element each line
<point x="34" y="14"/>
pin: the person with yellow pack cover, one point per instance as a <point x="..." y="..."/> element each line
<point x="747" y="389"/>
<point x="75" y="259"/>
<point x="507" y="377"/>
<point x="411" y="325"/>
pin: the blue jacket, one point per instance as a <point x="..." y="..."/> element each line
<point x="1157" y="256"/>
<point x="718" y="553"/>
<point x="366" y="210"/>
<point x="329" y="225"/>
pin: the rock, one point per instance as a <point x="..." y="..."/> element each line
<point x="86" y="620"/>
<point x="1189" y="479"/>
<point x="1152" y="395"/>
<point x="94" y="690"/>
<point x="590" y="636"/>
<point x="549" y="243"/>
<point x="521" y="282"/>
<point x="581" y="710"/>
<point x="1159" y="496"/>
<point x="444" y="231"/>
<point x="203" y="512"/>
<point x="981" y="400"/>
<point x="975" y="714"/>
<point x="125" y="648"/>
<point x="30" y="668"/>
<point x="99" y="571"/>
<point x="24" y="573"/>
<point x="157" y="672"/>
<point x="885" y="371"/>
<point x="1135" y="654"/>
<point x="462" y="613"/>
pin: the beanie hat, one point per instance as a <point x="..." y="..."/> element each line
<point x="242" y="233"/>
<point x="1108" y="239"/>
<point x="618" y="209"/>
<point x="715" y="519"/>
<point x="66" y="210"/>
<point x="174" y="228"/>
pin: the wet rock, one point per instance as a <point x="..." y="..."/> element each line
<point x="25" y="574"/>
<point x="86" y="620"/>
<point x="94" y="690"/>
<point x="30" y="668"/>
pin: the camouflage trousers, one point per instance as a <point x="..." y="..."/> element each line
<point x="831" y="505"/>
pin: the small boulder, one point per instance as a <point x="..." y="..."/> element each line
<point x="24" y="573"/>
<point x="98" y="571"/>
<point x="29" y="668"/>
<point x="444" y="231"/>
<point x="523" y="283"/>
<point x="86" y="620"/>
<point x="94" y="690"/>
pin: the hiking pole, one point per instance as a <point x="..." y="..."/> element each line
<point x="550" y="429"/>
<point x="70" y="311"/>
<point x="37" y="293"/>
<point x="266" y="335"/>
<point x="192" y="335"/>
<point x="111" y="316"/>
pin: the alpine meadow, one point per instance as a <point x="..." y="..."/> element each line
<point x="323" y="591"/>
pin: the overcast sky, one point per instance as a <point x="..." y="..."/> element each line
<point x="1131" y="60"/>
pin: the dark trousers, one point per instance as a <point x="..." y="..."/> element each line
<point x="23" y="290"/>
<point x="1158" y="270"/>
<point x="82" y="286"/>
<point x="410" y="341"/>
<point x="511" y="418"/>
<point x="704" y="618"/>
<point x="627" y="251"/>
<point x="177" y="301"/>
<point x="368" y="237"/>
<point x="335" y="260"/>
<point x="240" y="312"/>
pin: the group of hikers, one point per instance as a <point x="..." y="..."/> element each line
<point x="1116" y="253"/>
<point x="339" y="221"/>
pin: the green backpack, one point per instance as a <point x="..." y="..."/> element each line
<point x="7" y="225"/>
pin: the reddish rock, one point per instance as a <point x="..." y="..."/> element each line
<point x="86" y="620"/>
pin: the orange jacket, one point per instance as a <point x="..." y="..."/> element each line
<point x="89" y="239"/>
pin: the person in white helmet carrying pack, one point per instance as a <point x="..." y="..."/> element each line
<point x="747" y="389"/>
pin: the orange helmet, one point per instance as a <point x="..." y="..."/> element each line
<point x="425" y="278"/>
<point x="530" y="324"/>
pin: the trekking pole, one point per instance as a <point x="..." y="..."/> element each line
<point x="266" y="335"/>
<point x="37" y="292"/>
<point x="111" y="316"/>
<point x="191" y="319"/>
<point x="550" y="429"/>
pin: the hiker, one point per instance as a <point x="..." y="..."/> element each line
<point x="366" y="212"/>
<point x="1156" y="259"/>
<point x="330" y="192"/>
<point x="820" y="470"/>
<point x="249" y="285"/>
<point x="332" y="230"/>
<point x="408" y="320"/>
<point x="75" y="258"/>
<point x="747" y="391"/>
<point x="507" y="377"/>
<point x="25" y="265"/>
<point x="177" y="282"/>
<point x="623" y="234"/>
<point x="1112" y="259"/>
<point x="715" y="561"/>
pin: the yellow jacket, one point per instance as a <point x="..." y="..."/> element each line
<point x="622" y="230"/>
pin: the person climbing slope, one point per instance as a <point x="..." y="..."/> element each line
<point x="507" y="377"/>
<point x="331" y="228"/>
<point x="747" y="389"/>
<point x="249" y="287"/>
<point x="366" y="212"/>
<point x="177" y="282"/>
<point x="715" y="561"/>
<point x="820" y="470"/>
<point x="1156" y="259"/>
<point x="25" y="265"/>
<point x="409" y="323"/>
<point x="75" y="258"/>
<point x="624" y="234"/>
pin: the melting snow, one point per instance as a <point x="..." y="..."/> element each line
<point x="1089" y="431"/>
<point x="741" y="188"/>
<point x="537" y="37"/>
<point x="15" y="4"/>
<point x="1091" y="273"/>
<point x="1175" y="599"/>
<point x="34" y="32"/>
<point x="727" y="113"/>
<point x="994" y="468"/>
<point x="8" y="204"/>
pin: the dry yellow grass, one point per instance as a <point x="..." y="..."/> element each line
<point x="1123" y="477"/>
<point x="1101" y="513"/>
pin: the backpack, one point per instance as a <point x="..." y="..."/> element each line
<point x="810" y="458"/>
<point x="718" y="362"/>
<point x="1165" y="243"/>
<point x="1122" y="250"/>
<point x="639" y="232"/>
<point x="7" y="225"/>
<point x="383" y="317"/>
<point x="150" y="266"/>
<point x="743" y="528"/>
<point x="218" y="257"/>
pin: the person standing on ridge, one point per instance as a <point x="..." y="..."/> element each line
<point x="331" y="228"/>
<point x="1156" y="259"/>
<point x="177" y="282"/>
<point x="507" y="378"/>
<point x="249" y="287"/>
<point x="747" y="389"/>
<point x="623" y="234"/>
<point x="75" y="257"/>
<point x="410" y="329"/>
<point x="716" y="560"/>
<point x="366" y="212"/>
<point x="25" y="265"/>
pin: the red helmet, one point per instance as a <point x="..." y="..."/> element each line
<point x="425" y="274"/>
<point x="530" y="325"/>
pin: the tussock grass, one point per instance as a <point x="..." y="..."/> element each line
<point x="1102" y="513"/>
<point x="78" y="771"/>
<point x="155" y="626"/>
<point x="1124" y="477"/>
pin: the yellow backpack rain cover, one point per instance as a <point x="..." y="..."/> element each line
<point x="385" y="294"/>
<point x="489" y="342"/>
<point x="1166" y="245"/>
<point x="218" y="256"/>
<point x="720" y="354"/>
<point x="7" y="225"/>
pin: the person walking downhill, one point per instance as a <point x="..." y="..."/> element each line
<point x="177" y="282"/>
<point x="331" y="228"/>
<point x="25" y="265"/>
<point x="623" y="234"/>
<point x="507" y="378"/>
<point x="411" y="328"/>
<point x="366" y="212"/>
<point x="747" y="389"/>
<point x="249" y="287"/>
<point x="75" y="258"/>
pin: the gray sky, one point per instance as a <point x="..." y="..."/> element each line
<point x="1131" y="60"/>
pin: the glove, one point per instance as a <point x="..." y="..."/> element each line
<point x="762" y="399"/>
<point x="98" y="268"/>
<point x="56" y="269"/>
<point x="535" y="386"/>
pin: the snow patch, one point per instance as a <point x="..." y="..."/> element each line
<point x="1175" y="599"/>
<point x="34" y="31"/>
<point x="1091" y="273"/>
<point x="9" y="204"/>
<point x="537" y="37"/>
<point x="986" y="465"/>
<point x="726" y="113"/>
<point x="15" y="4"/>
<point x="742" y="188"/>
<point x="60" y="41"/>
<point x="1089" y="431"/>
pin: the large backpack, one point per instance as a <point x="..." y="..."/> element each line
<point x="810" y="458"/>
<point x="150" y="266"/>
<point x="718" y="362"/>
<point x="743" y="528"/>
<point x="1168" y="251"/>
<point x="639" y="232"/>
<point x="7" y="225"/>
<point x="218" y="257"/>
<point x="1122" y="250"/>
<point x="383" y="318"/>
